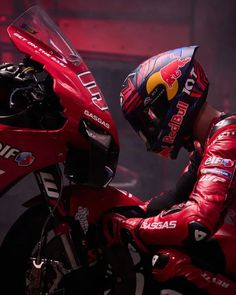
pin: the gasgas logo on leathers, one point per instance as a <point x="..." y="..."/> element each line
<point x="159" y="224"/>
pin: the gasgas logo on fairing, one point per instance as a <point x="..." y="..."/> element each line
<point x="97" y="119"/>
<point x="22" y="158"/>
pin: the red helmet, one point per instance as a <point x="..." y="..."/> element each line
<point x="162" y="97"/>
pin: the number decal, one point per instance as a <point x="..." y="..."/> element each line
<point x="87" y="80"/>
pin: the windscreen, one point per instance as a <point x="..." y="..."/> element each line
<point x="38" y="24"/>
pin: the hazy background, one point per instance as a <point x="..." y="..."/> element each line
<point x="113" y="37"/>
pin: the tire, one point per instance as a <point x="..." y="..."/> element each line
<point x="114" y="274"/>
<point x="17" y="247"/>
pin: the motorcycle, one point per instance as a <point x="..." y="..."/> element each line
<point x="55" y="115"/>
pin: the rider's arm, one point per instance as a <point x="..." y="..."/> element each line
<point x="200" y="217"/>
<point x="180" y="192"/>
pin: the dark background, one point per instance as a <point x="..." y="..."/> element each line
<point x="113" y="37"/>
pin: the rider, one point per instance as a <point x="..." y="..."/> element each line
<point x="164" y="100"/>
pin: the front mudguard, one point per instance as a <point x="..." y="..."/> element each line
<point x="95" y="201"/>
<point x="99" y="201"/>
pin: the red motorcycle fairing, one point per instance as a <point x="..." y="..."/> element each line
<point x="96" y="202"/>
<point x="24" y="150"/>
<point x="21" y="152"/>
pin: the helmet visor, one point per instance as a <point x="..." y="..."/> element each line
<point x="148" y="121"/>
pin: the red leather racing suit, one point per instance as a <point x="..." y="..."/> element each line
<point x="212" y="196"/>
<point x="190" y="224"/>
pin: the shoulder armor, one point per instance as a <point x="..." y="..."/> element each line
<point x="225" y="120"/>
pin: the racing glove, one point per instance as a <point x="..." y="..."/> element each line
<point x="121" y="230"/>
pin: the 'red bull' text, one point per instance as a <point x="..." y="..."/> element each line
<point x="176" y="121"/>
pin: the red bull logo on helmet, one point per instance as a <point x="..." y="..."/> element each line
<point x="171" y="72"/>
<point x="175" y="122"/>
<point x="168" y="75"/>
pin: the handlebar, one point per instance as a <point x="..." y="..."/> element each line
<point x="29" y="93"/>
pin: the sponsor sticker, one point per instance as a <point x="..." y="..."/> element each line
<point x="212" y="178"/>
<point x="87" y="80"/>
<point x="159" y="224"/>
<point x="96" y="118"/>
<point x="176" y="121"/>
<point x="82" y="217"/>
<point x="22" y="158"/>
<point x="211" y="278"/>
<point x="216" y="171"/>
<point x="219" y="161"/>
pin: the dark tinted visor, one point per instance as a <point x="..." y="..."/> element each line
<point x="147" y="125"/>
<point x="148" y="121"/>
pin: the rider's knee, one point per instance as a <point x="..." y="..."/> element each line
<point x="167" y="264"/>
<point x="174" y="271"/>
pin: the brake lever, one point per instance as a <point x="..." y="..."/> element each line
<point x="16" y="91"/>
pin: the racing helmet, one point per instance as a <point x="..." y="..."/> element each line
<point x="162" y="97"/>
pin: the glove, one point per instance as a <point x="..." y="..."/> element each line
<point x="121" y="230"/>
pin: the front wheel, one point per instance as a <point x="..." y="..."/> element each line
<point x="113" y="273"/>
